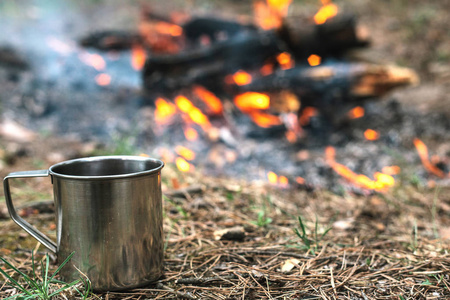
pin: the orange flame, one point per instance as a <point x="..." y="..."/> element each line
<point x="138" y="57"/>
<point x="251" y="100"/>
<point x="306" y="115"/>
<point x="103" y="79"/>
<point x="327" y="11"/>
<point x="195" y="114"/>
<point x="164" y="110"/>
<point x="214" y="103"/>
<point x="199" y="118"/>
<point x="94" y="60"/>
<point x="272" y="177"/>
<point x="371" y="135"/>
<point x="279" y="6"/>
<point x="356" y="112"/>
<point x="285" y="60"/>
<point x="190" y="134"/>
<point x="169" y="29"/>
<point x="382" y="181"/>
<point x="275" y="179"/>
<point x="423" y="153"/>
<point x="183" y="104"/>
<point x="264" y="120"/>
<point x="239" y="78"/>
<point x="183" y="165"/>
<point x="264" y="16"/>
<point x="269" y="15"/>
<point x="314" y="60"/>
<point x="185" y="152"/>
<point x="283" y="181"/>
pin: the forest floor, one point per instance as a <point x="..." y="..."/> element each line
<point x="287" y="242"/>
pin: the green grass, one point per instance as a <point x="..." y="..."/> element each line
<point x="263" y="220"/>
<point x="43" y="286"/>
<point x="310" y="241"/>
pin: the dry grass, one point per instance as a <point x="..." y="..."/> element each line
<point x="382" y="246"/>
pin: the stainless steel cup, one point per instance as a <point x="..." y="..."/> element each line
<point x="109" y="212"/>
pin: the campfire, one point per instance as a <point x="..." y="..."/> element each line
<point x="274" y="75"/>
<point x="300" y="159"/>
<point x="233" y="92"/>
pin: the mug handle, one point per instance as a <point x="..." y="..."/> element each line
<point x="42" y="238"/>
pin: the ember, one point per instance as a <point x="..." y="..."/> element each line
<point x="239" y="78"/>
<point x="185" y="152"/>
<point x="183" y="165"/>
<point x="252" y="101"/>
<point x="164" y="110"/>
<point x="314" y="60"/>
<point x="169" y="29"/>
<point x="356" y="113"/>
<point x="214" y="104"/>
<point x="281" y="181"/>
<point x="138" y="57"/>
<point x="371" y="135"/>
<point x="263" y="119"/>
<point x="381" y="183"/>
<point x="285" y="60"/>
<point x="422" y="149"/>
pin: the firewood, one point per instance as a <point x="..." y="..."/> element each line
<point x="247" y="50"/>
<point x="214" y="28"/>
<point x="352" y="80"/>
<point x="332" y="38"/>
<point x="208" y="65"/>
<point x="333" y="86"/>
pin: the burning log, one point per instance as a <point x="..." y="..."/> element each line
<point x="358" y="80"/>
<point x="213" y="28"/>
<point x="333" y="84"/>
<point x="208" y="65"/>
<point x="329" y="39"/>
<point x="246" y="50"/>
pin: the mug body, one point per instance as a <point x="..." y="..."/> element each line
<point x="109" y="212"/>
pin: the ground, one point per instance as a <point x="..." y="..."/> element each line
<point x="386" y="245"/>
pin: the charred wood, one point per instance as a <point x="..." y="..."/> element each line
<point x="356" y="80"/>
<point x="111" y="40"/>
<point x="332" y="38"/>
<point x="215" y="29"/>
<point x="332" y="86"/>
<point x="208" y="65"/>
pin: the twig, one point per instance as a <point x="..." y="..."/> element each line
<point x="177" y="293"/>
<point x="185" y="192"/>
<point x="203" y="280"/>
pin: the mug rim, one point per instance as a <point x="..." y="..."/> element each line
<point x="107" y="157"/>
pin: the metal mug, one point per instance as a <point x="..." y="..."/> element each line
<point x="109" y="212"/>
